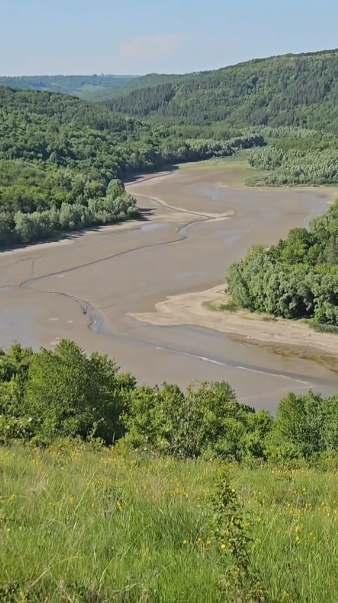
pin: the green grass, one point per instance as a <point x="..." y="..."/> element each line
<point x="217" y="305"/>
<point x="78" y="525"/>
<point x="322" y="328"/>
<point x="236" y="169"/>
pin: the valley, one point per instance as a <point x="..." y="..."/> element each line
<point x="100" y="288"/>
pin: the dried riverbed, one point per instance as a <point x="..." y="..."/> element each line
<point x="101" y="288"/>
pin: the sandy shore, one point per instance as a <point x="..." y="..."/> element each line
<point x="190" y="309"/>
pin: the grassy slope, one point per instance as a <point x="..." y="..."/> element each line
<point x="75" y="524"/>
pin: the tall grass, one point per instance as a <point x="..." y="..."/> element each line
<point x="79" y="525"/>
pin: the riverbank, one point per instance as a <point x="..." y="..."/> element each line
<point x="196" y="225"/>
<point x="283" y="337"/>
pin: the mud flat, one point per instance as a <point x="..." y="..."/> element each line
<point x="106" y="289"/>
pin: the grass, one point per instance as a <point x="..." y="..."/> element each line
<point x="236" y="169"/>
<point x="78" y="525"/>
<point x="216" y="305"/>
<point x="322" y="328"/>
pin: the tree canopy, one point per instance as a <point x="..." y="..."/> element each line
<point x="296" y="278"/>
<point x="297" y="90"/>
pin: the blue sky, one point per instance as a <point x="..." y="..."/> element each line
<point x="144" y="36"/>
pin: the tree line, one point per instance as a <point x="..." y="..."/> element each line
<point x="297" y="278"/>
<point x="298" y="161"/>
<point x="64" y="393"/>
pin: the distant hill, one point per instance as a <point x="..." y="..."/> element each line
<point x="92" y="87"/>
<point x="292" y="90"/>
<point x="83" y="86"/>
<point x="151" y="80"/>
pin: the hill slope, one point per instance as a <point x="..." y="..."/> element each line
<point x="297" y="90"/>
<point x="59" y="156"/>
<point x="84" y="86"/>
<point x="91" y="87"/>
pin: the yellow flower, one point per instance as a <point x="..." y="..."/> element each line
<point x="185" y="542"/>
<point x="223" y="546"/>
<point x="199" y="539"/>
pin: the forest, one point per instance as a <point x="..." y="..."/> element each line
<point x="296" y="278"/>
<point x="91" y="87"/>
<point x="298" y="161"/>
<point x="289" y="90"/>
<point x="83" y="86"/>
<point x="62" y="162"/>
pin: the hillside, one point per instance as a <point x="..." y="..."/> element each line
<point x="62" y="161"/>
<point x="84" y="86"/>
<point x="91" y="87"/>
<point x="151" y="80"/>
<point x="296" y="90"/>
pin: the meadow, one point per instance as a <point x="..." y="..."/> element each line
<point x="84" y="523"/>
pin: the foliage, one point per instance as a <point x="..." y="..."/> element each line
<point x="59" y="157"/>
<point x="205" y="419"/>
<point x="289" y="90"/>
<point x="61" y="393"/>
<point x="48" y="395"/>
<point x="297" y="278"/>
<point x="231" y="527"/>
<point x="306" y="160"/>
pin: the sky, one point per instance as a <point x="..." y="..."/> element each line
<point x="135" y="37"/>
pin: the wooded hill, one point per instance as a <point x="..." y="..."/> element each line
<point x="91" y="87"/>
<point x="297" y="90"/>
<point x="62" y="162"/>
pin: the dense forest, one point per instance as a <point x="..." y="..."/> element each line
<point x="62" y="162"/>
<point x="311" y="158"/>
<point x="297" y="90"/>
<point x="296" y="278"/>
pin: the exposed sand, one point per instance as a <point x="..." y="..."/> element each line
<point x="190" y="309"/>
<point x="195" y="225"/>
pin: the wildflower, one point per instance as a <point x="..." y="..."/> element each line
<point x="223" y="546"/>
<point x="297" y="529"/>
<point x="297" y="540"/>
<point x="12" y="497"/>
<point x="199" y="539"/>
<point x="185" y="542"/>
